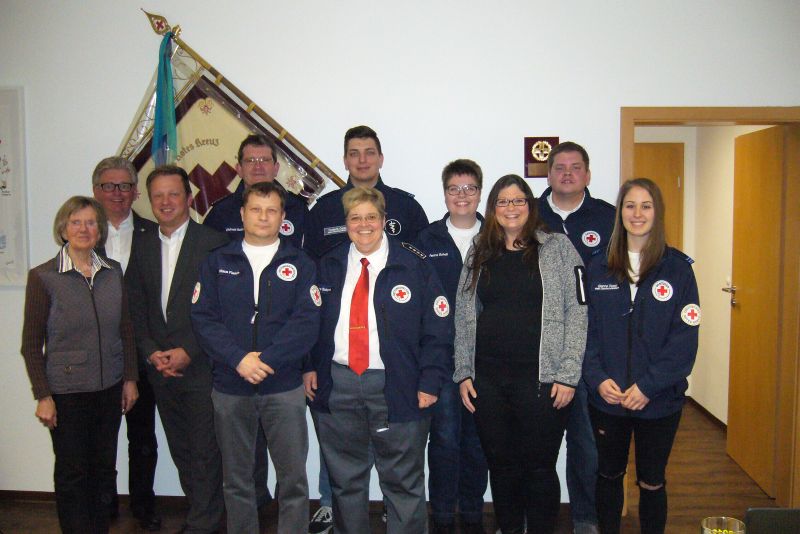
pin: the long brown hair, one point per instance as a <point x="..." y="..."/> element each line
<point x="492" y="239"/>
<point x="618" y="263"/>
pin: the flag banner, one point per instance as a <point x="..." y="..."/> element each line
<point x="212" y="118"/>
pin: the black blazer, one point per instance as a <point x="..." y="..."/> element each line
<point x="143" y="280"/>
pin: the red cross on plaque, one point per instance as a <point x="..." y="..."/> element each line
<point x="400" y="294"/>
<point x="662" y="290"/>
<point x="442" y="306"/>
<point x="692" y="314"/>
<point x="287" y="271"/>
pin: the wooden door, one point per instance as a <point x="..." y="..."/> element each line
<point x="756" y="274"/>
<point x="663" y="163"/>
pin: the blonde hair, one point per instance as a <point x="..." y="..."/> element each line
<point x="359" y="195"/>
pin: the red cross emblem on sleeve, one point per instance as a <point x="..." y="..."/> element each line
<point x="287" y="228"/>
<point x="690" y="314"/>
<point x="441" y="307"/>
<point x="401" y="294"/>
<point x="662" y="290"/>
<point x="287" y="272"/>
<point x="315" y="296"/>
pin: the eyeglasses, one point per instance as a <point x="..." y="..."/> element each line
<point x="253" y="161"/>
<point x="358" y="219"/>
<point x="468" y="189"/>
<point x="77" y="223"/>
<point x="505" y="202"/>
<point x="109" y="187"/>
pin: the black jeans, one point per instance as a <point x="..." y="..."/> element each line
<point x="653" y="439"/>
<point x="85" y="446"/>
<point x="521" y="435"/>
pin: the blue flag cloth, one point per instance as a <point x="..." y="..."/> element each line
<point x="164" y="146"/>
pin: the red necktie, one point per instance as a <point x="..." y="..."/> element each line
<point x="359" y="319"/>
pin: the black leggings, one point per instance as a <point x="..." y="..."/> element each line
<point x="653" y="439"/>
<point x="521" y="434"/>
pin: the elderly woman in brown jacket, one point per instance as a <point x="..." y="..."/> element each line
<point x="79" y="352"/>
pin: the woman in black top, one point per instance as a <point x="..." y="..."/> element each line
<point x="520" y="335"/>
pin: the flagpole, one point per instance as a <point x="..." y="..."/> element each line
<point x="160" y="26"/>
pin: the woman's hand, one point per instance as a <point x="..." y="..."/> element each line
<point x="130" y="394"/>
<point x="426" y="400"/>
<point x="634" y="399"/>
<point x="467" y="394"/>
<point x="46" y="412"/>
<point x="563" y="395"/>
<point x="610" y="392"/>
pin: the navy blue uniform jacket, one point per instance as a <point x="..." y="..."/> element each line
<point x="226" y="217"/>
<point x="325" y="226"/>
<point x="283" y="326"/>
<point x="589" y="228"/>
<point x="648" y="343"/>
<point x="415" y="340"/>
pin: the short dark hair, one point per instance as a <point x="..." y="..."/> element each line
<point x="114" y="163"/>
<point x="264" y="189"/>
<point x="567" y="146"/>
<point x="74" y="204"/>
<point x="361" y="132"/>
<point x="168" y="170"/>
<point x="462" y="166"/>
<point x="258" y="140"/>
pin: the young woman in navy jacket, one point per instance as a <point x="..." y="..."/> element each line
<point x="643" y="318"/>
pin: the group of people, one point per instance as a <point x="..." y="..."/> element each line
<point x="481" y="338"/>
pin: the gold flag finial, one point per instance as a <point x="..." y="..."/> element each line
<point x="158" y="23"/>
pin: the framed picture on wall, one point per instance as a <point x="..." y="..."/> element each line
<point x="13" y="205"/>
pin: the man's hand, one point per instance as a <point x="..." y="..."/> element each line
<point x="563" y="395"/>
<point x="130" y="393"/>
<point x="310" y="384"/>
<point x="426" y="400"/>
<point x="159" y="360"/>
<point x="252" y="369"/>
<point x="177" y="360"/>
<point x="468" y="393"/>
<point x="46" y="412"/>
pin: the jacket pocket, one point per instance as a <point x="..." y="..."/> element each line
<point x="67" y="371"/>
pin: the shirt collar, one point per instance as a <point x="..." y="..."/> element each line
<point x="65" y="263"/>
<point x="376" y="258"/>
<point x="561" y="212"/>
<point x="177" y="234"/>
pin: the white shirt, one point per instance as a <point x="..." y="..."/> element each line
<point x="463" y="236"/>
<point x="635" y="260"/>
<point x="259" y="257"/>
<point x="119" y="240"/>
<point x="170" y="250"/>
<point x="563" y="213"/>
<point x="341" y="336"/>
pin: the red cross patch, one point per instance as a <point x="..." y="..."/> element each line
<point x="401" y="294"/>
<point x="590" y="238"/>
<point x="287" y="272"/>
<point x="441" y="306"/>
<point x="196" y="293"/>
<point x="662" y="290"/>
<point x="315" y="295"/>
<point x="287" y="228"/>
<point x="691" y="314"/>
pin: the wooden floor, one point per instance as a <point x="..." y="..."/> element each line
<point x="702" y="481"/>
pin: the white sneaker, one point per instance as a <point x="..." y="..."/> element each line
<point x="322" y="522"/>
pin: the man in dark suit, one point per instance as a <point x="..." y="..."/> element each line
<point x="163" y="273"/>
<point x="114" y="183"/>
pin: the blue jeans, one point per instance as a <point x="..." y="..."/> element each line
<point x="581" y="460"/>
<point x="458" y="473"/>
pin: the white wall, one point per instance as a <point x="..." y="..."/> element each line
<point x="437" y="80"/>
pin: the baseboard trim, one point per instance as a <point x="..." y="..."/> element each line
<point x="711" y="417"/>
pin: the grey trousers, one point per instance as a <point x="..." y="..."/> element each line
<point x="188" y="419"/>
<point x="283" y="418"/>
<point x="359" y="416"/>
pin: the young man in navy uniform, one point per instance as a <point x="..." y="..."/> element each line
<point x="567" y="207"/>
<point x="258" y="352"/>
<point x="458" y="473"/>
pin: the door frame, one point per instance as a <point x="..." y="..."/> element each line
<point x="787" y="453"/>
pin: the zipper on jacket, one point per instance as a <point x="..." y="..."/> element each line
<point x="629" y="362"/>
<point x="99" y="334"/>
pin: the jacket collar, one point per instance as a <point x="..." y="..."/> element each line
<point x="234" y="248"/>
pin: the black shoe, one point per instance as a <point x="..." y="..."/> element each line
<point x="472" y="528"/>
<point x="149" y="522"/>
